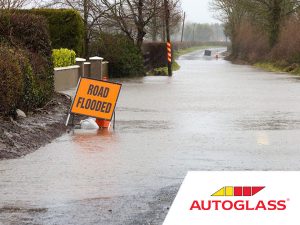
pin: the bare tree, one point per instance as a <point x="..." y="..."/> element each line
<point x="133" y="17"/>
<point x="269" y="14"/>
<point x="13" y="4"/>
<point x="231" y="13"/>
<point x="266" y="14"/>
<point x="156" y="27"/>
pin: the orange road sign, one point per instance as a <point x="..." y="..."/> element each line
<point x="96" y="98"/>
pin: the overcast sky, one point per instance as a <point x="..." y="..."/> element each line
<point x="198" y="11"/>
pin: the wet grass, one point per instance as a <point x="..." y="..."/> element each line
<point x="274" y="67"/>
<point x="163" y="71"/>
<point x="269" y="67"/>
<point x="13" y="209"/>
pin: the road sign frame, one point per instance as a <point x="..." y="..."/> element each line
<point x="77" y="88"/>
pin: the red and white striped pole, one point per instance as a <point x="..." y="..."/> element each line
<point x="103" y="123"/>
<point x="169" y="52"/>
<point x="169" y="46"/>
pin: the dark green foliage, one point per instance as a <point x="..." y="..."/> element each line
<point x="11" y="85"/>
<point x="66" y="28"/>
<point x="31" y="93"/>
<point x="39" y="81"/>
<point x="27" y="35"/>
<point x="27" y="31"/>
<point x="124" y="57"/>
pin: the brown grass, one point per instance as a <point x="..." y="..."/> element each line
<point x="288" y="47"/>
<point x="251" y="43"/>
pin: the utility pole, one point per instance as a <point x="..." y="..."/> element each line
<point x="182" y="33"/>
<point x="169" y="47"/>
<point x="86" y="32"/>
<point x="194" y="32"/>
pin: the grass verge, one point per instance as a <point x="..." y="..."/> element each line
<point x="163" y="71"/>
<point x="274" y="67"/>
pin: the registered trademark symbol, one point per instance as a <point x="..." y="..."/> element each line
<point x="288" y="199"/>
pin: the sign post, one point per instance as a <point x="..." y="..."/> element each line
<point x="169" y="47"/>
<point x="95" y="98"/>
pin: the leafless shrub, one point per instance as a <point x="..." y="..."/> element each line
<point x="288" y="46"/>
<point x="252" y="44"/>
<point x="13" y="4"/>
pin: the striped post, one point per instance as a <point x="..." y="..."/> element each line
<point x="169" y="52"/>
<point x="103" y="123"/>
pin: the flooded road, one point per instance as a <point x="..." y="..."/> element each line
<point x="211" y="115"/>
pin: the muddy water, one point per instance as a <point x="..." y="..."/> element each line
<point x="211" y="115"/>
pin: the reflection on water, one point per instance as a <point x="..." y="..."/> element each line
<point x="86" y="139"/>
<point x="82" y="136"/>
<point x="263" y="138"/>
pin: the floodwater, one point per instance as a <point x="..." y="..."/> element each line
<point x="211" y="115"/>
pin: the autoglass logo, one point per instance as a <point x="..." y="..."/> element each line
<point x="230" y="198"/>
<point x="238" y="191"/>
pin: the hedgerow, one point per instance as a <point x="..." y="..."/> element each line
<point x="27" y="35"/>
<point x="125" y="59"/>
<point x="66" y="28"/>
<point x="11" y="86"/>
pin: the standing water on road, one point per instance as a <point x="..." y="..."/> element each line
<point x="211" y="115"/>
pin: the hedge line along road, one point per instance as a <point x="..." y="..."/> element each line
<point x="211" y="115"/>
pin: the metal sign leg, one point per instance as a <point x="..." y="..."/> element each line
<point x="68" y="118"/>
<point x="73" y="117"/>
<point x="114" y="121"/>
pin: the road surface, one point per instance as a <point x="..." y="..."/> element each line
<point x="211" y="115"/>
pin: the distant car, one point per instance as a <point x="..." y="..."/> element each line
<point x="207" y="53"/>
